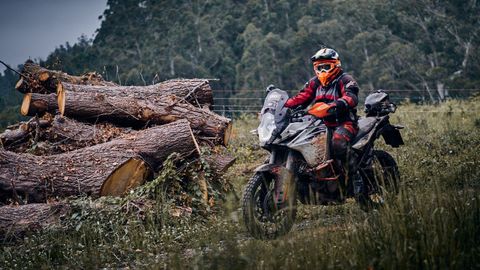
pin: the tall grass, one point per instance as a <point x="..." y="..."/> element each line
<point x="432" y="224"/>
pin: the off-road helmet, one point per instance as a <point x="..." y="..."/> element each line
<point x="326" y="64"/>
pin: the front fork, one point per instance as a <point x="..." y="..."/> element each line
<point x="284" y="178"/>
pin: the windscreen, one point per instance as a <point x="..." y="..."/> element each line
<point x="271" y="101"/>
<point x="271" y="115"/>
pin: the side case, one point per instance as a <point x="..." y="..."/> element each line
<point x="392" y="136"/>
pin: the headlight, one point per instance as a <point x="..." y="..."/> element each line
<point x="266" y="128"/>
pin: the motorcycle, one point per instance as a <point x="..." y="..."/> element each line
<point x="301" y="166"/>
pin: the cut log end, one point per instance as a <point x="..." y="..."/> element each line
<point x="38" y="104"/>
<point x="131" y="174"/>
<point x="27" y="98"/>
<point x="19" y="83"/>
<point x="43" y="76"/>
<point x="59" y="88"/>
<point x="61" y="99"/>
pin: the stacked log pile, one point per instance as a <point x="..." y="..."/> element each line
<point x="91" y="137"/>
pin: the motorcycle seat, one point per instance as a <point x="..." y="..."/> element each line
<point x="365" y="125"/>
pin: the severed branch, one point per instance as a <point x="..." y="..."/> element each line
<point x="10" y="68"/>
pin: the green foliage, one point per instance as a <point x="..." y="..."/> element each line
<point x="157" y="217"/>
<point x="433" y="222"/>
<point x="424" y="47"/>
<point x="250" y="44"/>
<point x="9" y="100"/>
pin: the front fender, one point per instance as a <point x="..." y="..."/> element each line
<point x="275" y="169"/>
<point x="267" y="167"/>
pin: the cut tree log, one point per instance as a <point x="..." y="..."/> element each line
<point x="194" y="91"/>
<point x="44" y="81"/>
<point x="74" y="134"/>
<point x="58" y="135"/>
<point x="135" y="110"/>
<point x="11" y="138"/>
<point x="84" y="171"/>
<point x="38" y="104"/>
<point x="19" y="220"/>
<point x="217" y="166"/>
<point x="218" y="163"/>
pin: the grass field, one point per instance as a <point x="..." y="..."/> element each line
<point x="432" y="224"/>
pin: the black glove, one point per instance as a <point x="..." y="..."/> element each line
<point x="295" y="115"/>
<point x="341" y="106"/>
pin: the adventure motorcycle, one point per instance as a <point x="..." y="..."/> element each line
<point x="301" y="164"/>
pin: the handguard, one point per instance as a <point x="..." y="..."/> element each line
<point x="322" y="110"/>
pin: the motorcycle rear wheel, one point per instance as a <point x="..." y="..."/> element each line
<point x="263" y="217"/>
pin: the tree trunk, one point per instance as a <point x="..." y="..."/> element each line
<point x="77" y="134"/>
<point x="44" y="81"/>
<point x="58" y="135"/>
<point x="17" y="221"/>
<point x="40" y="104"/>
<point x="84" y="171"/>
<point x="442" y="92"/>
<point x="219" y="164"/>
<point x="136" y="110"/>
<point x="194" y="91"/>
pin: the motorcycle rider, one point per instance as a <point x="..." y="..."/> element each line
<point x="340" y="91"/>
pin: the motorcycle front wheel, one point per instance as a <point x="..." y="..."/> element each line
<point x="385" y="177"/>
<point x="382" y="180"/>
<point x="264" y="216"/>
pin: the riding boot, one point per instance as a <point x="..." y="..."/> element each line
<point x="352" y="178"/>
<point x="355" y="176"/>
<point x="358" y="185"/>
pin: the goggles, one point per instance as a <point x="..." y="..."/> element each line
<point x="324" y="67"/>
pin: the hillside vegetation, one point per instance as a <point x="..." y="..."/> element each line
<point x="430" y="48"/>
<point x="433" y="223"/>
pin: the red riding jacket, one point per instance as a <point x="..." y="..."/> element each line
<point x="343" y="91"/>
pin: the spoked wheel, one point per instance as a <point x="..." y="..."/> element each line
<point x="267" y="212"/>
<point x="382" y="180"/>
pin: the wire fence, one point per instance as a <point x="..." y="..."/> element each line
<point x="231" y="103"/>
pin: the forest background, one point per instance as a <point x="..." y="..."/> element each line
<point x="424" y="50"/>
